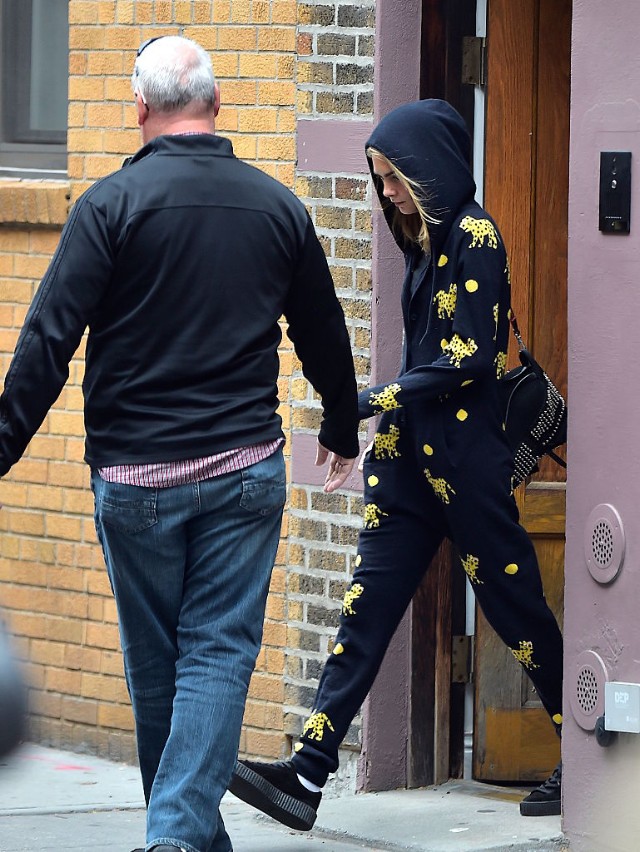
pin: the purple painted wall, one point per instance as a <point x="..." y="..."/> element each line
<point x="334" y="146"/>
<point x="602" y="623"/>
<point x="383" y="765"/>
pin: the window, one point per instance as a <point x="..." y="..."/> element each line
<point x="34" y="45"/>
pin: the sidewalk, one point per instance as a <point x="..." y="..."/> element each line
<point x="53" y="800"/>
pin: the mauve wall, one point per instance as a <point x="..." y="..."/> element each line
<point x="602" y="619"/>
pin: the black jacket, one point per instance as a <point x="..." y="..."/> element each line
<point x="181" y="265"/>
<point x="456" y="318"/>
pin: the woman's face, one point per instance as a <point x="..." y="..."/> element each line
<point x="392" y="187"/>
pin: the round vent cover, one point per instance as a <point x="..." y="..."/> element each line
<point x="604" y="543"/>
<point x="587" y="691"/>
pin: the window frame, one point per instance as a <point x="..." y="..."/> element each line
<point x="24" y="152"/>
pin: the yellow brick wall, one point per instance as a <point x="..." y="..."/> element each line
<point x="54" y="589"/>
<point x="276" y="60"/>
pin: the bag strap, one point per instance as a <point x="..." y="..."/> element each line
<point x="516" y="330"/>
<point x="556" y="458"/>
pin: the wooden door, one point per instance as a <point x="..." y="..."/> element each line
<point x="526" y="190"/>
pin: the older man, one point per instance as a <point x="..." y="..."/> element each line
<point x="181" y="265"/>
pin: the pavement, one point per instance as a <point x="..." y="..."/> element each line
<point x="53" y="800"/>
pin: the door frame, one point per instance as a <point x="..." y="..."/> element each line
<point x="414" y="717"/>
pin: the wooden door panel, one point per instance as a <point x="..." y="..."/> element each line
<point x="547" y="327"/>
<point x="513" y="738"/>
<point x="509" y="138"/>
<point x="526" y="189"/>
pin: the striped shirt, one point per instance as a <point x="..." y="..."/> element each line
<point x="169" y="474"/>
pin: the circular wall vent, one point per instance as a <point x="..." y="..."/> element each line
<point x="587" y="691"/>
<point x="604" y="543"/>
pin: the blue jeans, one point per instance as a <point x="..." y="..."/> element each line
<point x="190" y="568"/>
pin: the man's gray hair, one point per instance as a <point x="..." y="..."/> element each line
<point x="172" y="73"/>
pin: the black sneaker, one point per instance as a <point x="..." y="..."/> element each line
<point x="545" y="800"/>
<point x="275" y="790"/>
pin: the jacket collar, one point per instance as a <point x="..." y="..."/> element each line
<point x="187" y="144"/>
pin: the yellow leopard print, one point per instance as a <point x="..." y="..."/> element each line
<point x="457" y="349"/>
<point x="315" y="725"/>
<point x="479" y="230"/>
<point x="470" y="565"/>
<point x="384" y="444"/>
<point x="372" y="516"/>
<point x="350" y="596"/>
<point x="446" y="302"/>
<point x="495" y="320"/>
<point x="386" y="399"/>
<point x="501" y="364"/>
<point x="441" y="487"/>
<point x="524" y="655"/>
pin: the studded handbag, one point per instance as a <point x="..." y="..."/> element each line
<point x="535" y="413"/>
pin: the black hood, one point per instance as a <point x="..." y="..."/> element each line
<point x="429" y="142"/>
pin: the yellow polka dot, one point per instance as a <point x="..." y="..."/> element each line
<point x="444" y="343"/>
<point x="358" y="559"/>
<point x="511" y="568"/>
<point x="373" y="480"/>
<point x="557" y="718"/>
<point x="468" y="382"/>
<point x="462" y="415"/>
<point x="443" y="260"/>
<point x="298" y="747"/>
<point x="471" y="286"/>
<point x="428" y="449"/>
<point x="339" y="649"/>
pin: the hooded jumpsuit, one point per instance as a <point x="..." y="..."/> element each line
<point x="440" y="465"/>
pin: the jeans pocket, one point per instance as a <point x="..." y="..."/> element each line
<point x="264" y="485"/>
<point x="124" y="508"/>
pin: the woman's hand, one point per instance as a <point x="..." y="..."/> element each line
<point x="339" y="468"/>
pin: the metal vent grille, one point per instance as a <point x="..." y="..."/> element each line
<point x="587" y="689"/>
<point x="604" y="543"/>
<point x="586" y="695"/>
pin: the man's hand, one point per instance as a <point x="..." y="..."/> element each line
<point x="339" y="468"/>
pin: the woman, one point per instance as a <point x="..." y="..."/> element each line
<point x="439" y="465"/>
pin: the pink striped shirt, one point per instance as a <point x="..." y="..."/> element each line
<point x="168" y="474"/>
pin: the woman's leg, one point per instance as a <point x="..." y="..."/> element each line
<point x="403" y="527"/>
<point x="500" y="561"/>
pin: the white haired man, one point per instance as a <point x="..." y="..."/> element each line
<point x="181" y="265"/>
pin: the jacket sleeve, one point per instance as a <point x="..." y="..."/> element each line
<point x="319" y="335"/>
<point x="469" y="351"/>
<point x="62" y="307"/>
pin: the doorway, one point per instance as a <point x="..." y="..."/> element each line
<point x="524" y="69"/>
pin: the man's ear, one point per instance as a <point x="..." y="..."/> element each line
<point x="141" y="109"/>
<point x="216" y="99"/>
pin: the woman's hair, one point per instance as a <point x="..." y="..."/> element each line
<point x="415" y="226"/>
<point x="172" y="73"/>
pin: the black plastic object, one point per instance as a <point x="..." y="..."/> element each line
<point x="13" y="703"/>
<point x="604" y="738"/>
<point x="615" y="192"/>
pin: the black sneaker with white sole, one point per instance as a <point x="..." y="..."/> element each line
<point x="545" y="800"/>
<point x="274" y="789"/>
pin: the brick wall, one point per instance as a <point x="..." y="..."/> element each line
<point x="277" y="62"/>
<point x="335" y="81"/>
